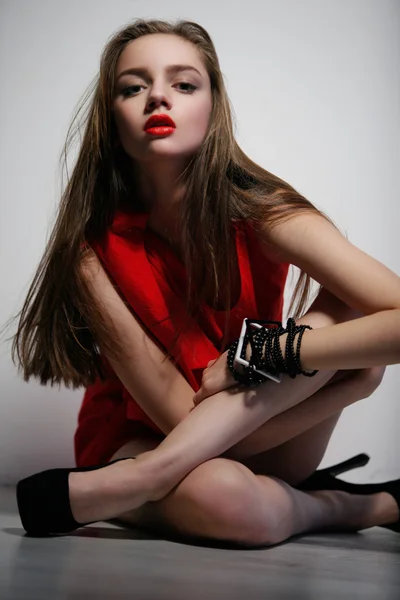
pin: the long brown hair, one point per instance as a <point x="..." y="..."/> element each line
<point x="60" y="328"/>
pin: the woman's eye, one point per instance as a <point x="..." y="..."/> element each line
<point x="129" y="90"/>
<point x="190" y="85"/>
<point x="126" y="91"/>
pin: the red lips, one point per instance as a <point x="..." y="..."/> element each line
<point x="158" y="120"/>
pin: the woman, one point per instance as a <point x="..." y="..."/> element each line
<point x="163" y="207"/>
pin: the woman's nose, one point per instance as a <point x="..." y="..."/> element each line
<point x="157" y="99"/>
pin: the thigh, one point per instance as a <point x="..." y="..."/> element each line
<point x="294" y="460"/>
<point x="144" y="441"/>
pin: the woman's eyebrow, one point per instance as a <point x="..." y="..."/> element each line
<point x="170" y="69"/>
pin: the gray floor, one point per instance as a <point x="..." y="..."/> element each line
<point x="107" y="561"/>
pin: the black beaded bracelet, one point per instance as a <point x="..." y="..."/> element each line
<point x="264" y="338"/>
<point x="292" y="366"/>
<point x="272" y="360"/>
<point x="250" y="377"/>
<point x="297" y="356"/>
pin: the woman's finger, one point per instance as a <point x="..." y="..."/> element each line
<point x="197" y="397"/>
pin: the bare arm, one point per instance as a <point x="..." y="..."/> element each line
<point x="159" y="389"/>
<point x="369" y="341"/>
<point x="357" y="279"/>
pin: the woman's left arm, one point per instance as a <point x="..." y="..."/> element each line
<point x="313" y="244"/>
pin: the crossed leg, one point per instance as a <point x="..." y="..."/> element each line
<point x="229" y="499"/>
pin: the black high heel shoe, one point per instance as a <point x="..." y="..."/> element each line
<point x="325" y="479"/>
<point x="43" y="501"/>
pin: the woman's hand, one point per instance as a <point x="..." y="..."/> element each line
<point x="216" y="377"/>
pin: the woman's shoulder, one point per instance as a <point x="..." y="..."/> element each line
<point x="260" y="241"/>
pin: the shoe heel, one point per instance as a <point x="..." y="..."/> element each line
<point x="347" y="465"/>
<point x="43" y="501"/>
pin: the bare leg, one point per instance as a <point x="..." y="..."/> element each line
<point x="197" y="506"/>
<point x="295" y="441"/>
<point x="305" y="418"/>
<point x="222" y="499"/>
<point x="296" y="459"/>
<point x="215" y="425"/>
<point x="210" y="429"/>
<point x="218" y="424"/>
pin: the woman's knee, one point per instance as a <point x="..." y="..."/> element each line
<point x="221" y="499"/>
<point x="369" y="379"/>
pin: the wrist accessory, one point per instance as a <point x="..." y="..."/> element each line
<point x="267" y="361"/>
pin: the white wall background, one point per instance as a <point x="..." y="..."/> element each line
<point x="315" y="86"/>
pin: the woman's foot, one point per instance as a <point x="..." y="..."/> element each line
<point x="384" y="497"/>
<point x="357" y="512"/>
<point x="390" y="513"/>
<point x="61" y="500"/>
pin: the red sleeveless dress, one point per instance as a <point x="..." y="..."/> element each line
<point x="151" y="277"/>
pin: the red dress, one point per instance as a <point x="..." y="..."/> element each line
<point x="150" y="277"/>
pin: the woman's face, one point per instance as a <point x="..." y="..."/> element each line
<point x="184" y="95"/>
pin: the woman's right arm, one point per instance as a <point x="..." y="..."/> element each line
<point x="159" y="389"/>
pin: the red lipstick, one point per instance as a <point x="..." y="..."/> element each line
<point x="159" y="125"/>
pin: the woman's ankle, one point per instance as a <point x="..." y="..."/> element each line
<point x="161" y="472"/>
<point x="153" y="474"/>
